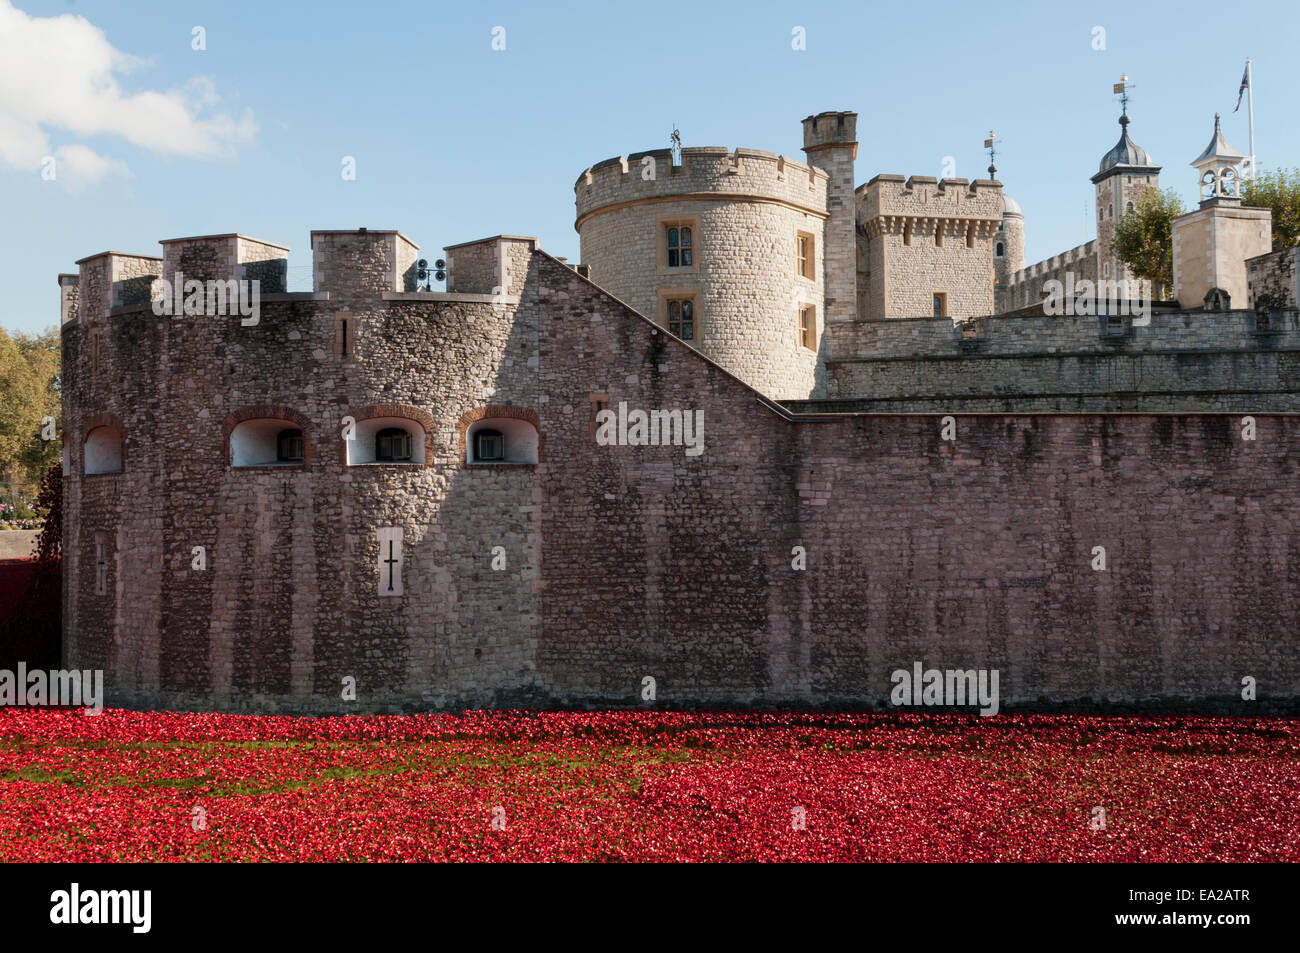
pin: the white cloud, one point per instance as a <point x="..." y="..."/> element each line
<point x="79" y="166"/>
<point x="58" y="76"/>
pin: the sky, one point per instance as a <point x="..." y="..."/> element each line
<point x="116" y="131"/>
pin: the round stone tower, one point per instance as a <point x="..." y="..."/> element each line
<point x="1009" y="242"/>
<point x="725" y="249"/>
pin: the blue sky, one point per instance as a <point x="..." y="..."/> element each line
<point x="455" y="141"/>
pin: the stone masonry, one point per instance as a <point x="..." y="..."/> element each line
<point x="924" y="237"/>
<point x="745" y="210"/>
<point x="626" y="561"/>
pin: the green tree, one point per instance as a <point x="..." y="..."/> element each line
<point x="29" y="393"/>
<point x="1144" y="238"/>
<point x="1278" y="190"/>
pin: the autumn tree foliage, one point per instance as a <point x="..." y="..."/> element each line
<point x="1144" y="237"/>
<point x="29" y="397"/>
<point x="1279" y="191"/>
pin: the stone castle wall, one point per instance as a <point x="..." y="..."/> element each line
<point x="284" y="606"/>
<point x="1274" y="279"/>
<point x="632" y="561"/>
<point x="746" y="209"/>
<point x="923" y="237"/>
<point x="1025" y="287"/>
<point x="1189" y="361"/>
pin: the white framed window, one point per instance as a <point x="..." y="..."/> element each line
<point x="386" y="441"/>
<point x="496" y="440"/>
<point x="267" y="442"/>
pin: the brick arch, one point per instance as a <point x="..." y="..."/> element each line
<point x="268" y="412"/>
<point x="496" y="410"/>
<point x="265" y="412"/>
<point x="408" y="411"/>
<point x="94" y="422"/>
<point x="101" y="420"/>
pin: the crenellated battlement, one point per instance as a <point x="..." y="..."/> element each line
<point x="831" y="129"/>
<point x="362" y="261"/>
<point x="888" y="203"/>
<point x="226" y="257"/>
<point x="113" y="279"/>
<point x="705" y="172"/>
<point x="358" y="268"/>
<point x="1047" y="266"/>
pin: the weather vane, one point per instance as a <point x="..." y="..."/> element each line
<point x="1121" y="89"/>
<point x="991" y="144"/>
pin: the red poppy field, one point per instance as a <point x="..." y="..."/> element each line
<point x="644" y="786"/>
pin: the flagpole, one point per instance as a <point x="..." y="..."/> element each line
<point x="1250" y="109"/>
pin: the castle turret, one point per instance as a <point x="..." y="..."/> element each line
<point x="730" y="250"/>
<point x="1125" y="172"/>
<point x="1008" y="243"/>
<point x="1212" y="243"/>
<point x="927" y="248"/>
<point x="830" y="142"/>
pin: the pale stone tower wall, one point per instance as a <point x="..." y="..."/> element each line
<point x="1114" y="195"/>
<point x="1011" y="238"/>
<point x="745" y="209"/>
<point x="830" y="142"/>
<point x="1211" y="246"/>
<point x="924" y="237"/>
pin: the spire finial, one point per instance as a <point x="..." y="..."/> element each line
<point x="991" y="145"/>
<point x="1121" y="89"/>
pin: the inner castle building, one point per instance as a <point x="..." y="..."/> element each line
<point x="373" y="496"/>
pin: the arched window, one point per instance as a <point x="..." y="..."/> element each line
<point x="103" y="451"/>
<point x="1228" y="184"/>
<point x="1130" y="206"/>
<point x="509" y="436"/>
<point x="489" y="446"/>
<point x="1209" y="185"/>
<point x="392" y="445"/>
<point x="290" y="446"/>
<point x="997" y="250"/>
<point x="388" y="440"/>
<point x="267" y="442"/>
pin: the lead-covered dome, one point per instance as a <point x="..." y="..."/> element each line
<point x="1126" y="152"/>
